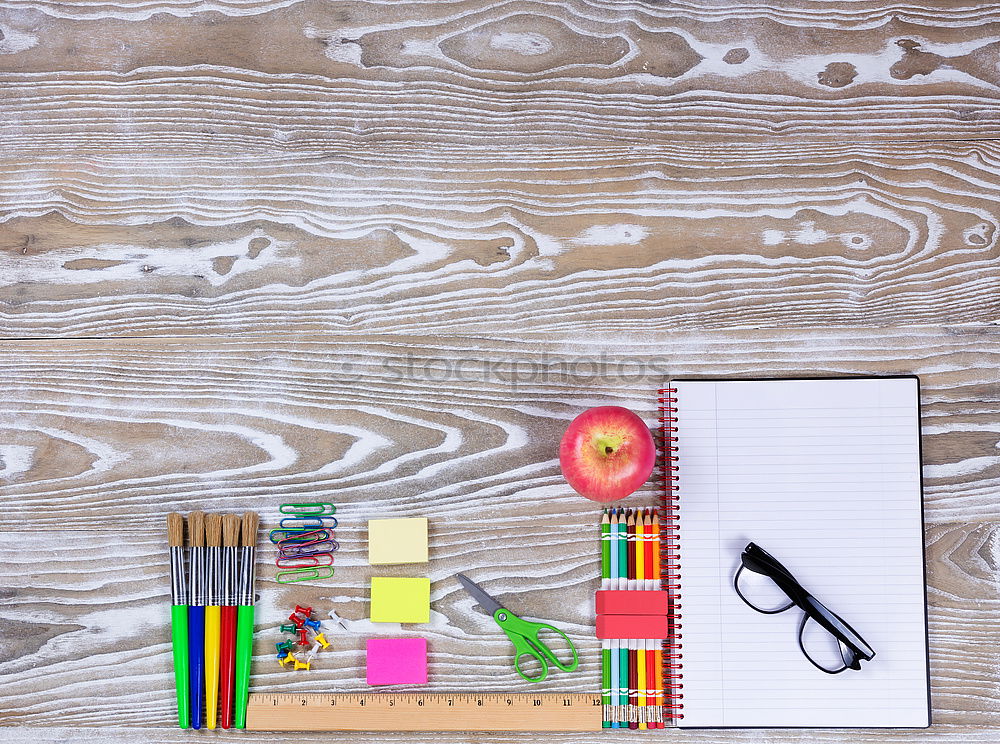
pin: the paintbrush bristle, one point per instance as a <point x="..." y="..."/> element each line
<point x="251" y="521"/>
<point x="230" y="530"/>
<point x="175" y="530"/>
<point x="196" y="528"/>
<point x="213" y="530"/>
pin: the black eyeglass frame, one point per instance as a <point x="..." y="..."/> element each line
<point x="853" y="648"/>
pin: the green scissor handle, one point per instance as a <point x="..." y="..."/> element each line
<point x="524" y="636"/>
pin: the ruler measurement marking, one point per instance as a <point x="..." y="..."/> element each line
<point x="411" y="711"/>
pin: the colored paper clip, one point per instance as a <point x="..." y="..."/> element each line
<point x="323" y="547"/>
<point x="294" y="575"/>
<point x="296" y="535"/>
<point x="309" y="509"/>
<point x="308" y="543"/>
<point x="304" y="561"/>
<point x="312" y="522"/>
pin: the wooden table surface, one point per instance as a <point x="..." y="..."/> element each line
<point x="380" y="253"/>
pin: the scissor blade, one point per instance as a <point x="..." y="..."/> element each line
<point x="483" y="599"/>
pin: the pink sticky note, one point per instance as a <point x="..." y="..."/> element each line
<point x="397" y="661"/>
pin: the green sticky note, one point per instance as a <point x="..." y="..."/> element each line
<point x="397" y="540"/>
<point x="397" y="600"/>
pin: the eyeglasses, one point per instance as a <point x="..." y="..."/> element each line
<point x="826" y="640"/>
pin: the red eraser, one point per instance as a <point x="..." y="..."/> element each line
<point x="622" y="602"/>
<point x="632" y="626"/>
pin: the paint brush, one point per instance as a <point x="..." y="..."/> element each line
<point x="244" y="618"/>
<point x="179" y="616"/>
<point x="213" y="614"/>
<point x="227" y="623"/>
<point x="196" y="614"/>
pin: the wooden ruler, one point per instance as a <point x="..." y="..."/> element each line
<point x="388" y="711"/>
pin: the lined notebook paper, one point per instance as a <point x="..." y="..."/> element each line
<point x="825" y="476"/>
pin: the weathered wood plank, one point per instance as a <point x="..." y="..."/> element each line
<point x="102" y="438"/>
<point x="459" y="240"/>
<point x="306" y="75"/>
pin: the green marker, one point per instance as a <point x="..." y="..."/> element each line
<point x="179" y="617"/>
<point x="605" y="643"/>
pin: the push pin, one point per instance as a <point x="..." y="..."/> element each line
<point x="296" y="620"/>
<point x="312" y="652"/>
<point x="321" y="640"/>
<point x="337" y="619"/>
<point x="306" y="611"/>
<point x="284" y="660"/>
<point x="285" y="647"/>
<point x="304" y="636"/>
<point x="287" y="628"/>
<point x="314" y="624"/>
<point x="302" y="664"/>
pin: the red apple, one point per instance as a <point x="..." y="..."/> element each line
<point x="607" y="453"/>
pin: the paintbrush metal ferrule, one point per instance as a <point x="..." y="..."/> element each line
<point x="230" y="571"/>
<point x="178" y="576"/>
<point x="247" y="575"/>
<point x="199" y="587"/>
<point x="213" y="575"/>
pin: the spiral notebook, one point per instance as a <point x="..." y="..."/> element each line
<point x="824" y="474"/>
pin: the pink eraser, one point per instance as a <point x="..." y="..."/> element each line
<point x="397" y="661"/>
<point x="632" y="626"/>
<point x="642" y="602"/>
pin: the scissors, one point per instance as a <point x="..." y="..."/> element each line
<point x="523" y="634"/>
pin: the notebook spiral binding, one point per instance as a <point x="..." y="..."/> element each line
<point x="670" y="559"/>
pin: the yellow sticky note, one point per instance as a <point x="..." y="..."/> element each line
<point x="397" y="600"/>
<point x="397" y="540"/>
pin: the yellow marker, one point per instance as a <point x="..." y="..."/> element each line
<point x="213" y="615"/>
<point x="640" y="657"/>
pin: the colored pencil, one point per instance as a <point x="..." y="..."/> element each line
<point x="649" y="643"/>
<point x="606" y="644"/>
<point x="179" y="617"/>
<point x="633" y="649"/>
<point x="640" y="582"/>
<point x="612" y="583"/>
<point x="196" y="615"/>
<point x="227" y="622"/>
<point x="213" y="614"/>
<point x="622" y="645"/>
<point x="245" y="618"/>
<point x="658" y="645"/>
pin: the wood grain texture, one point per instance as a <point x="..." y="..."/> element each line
<point x="459" y="240"/>
<point x="226" y="75"/>
<point x="382" y="252"/>
<point x="111" y="435"/>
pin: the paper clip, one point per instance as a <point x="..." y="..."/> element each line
<point x="294" y="575"/>
<point x="313" y="539"/>
<point x="303" y="561"/>
<point x="313" y="522"/>
<point x="293" y="535"/>
<point x="323" y="547"/>
<point x="309" y="509"/>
